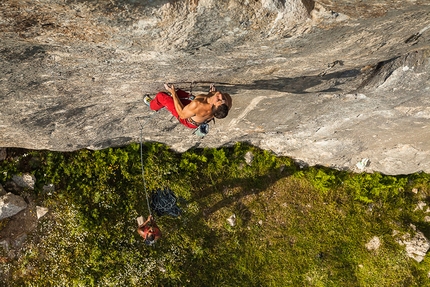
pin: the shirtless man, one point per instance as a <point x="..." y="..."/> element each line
<point x="192" y="113"/>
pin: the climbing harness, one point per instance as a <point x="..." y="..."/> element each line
<point x="203" y="129"/>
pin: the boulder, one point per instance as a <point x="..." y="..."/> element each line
<point x="374" y="243"/>
<point x="41" y="211"/>
<point x="11" y="204"/>
<point x="416" y="245"/>
<point x="25" y="181"/>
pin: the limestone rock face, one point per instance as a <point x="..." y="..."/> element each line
<point x="327" y="82"/>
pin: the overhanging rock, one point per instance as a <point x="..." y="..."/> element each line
<point x="327" y="82"/>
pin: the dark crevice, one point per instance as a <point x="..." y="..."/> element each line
<point x="309" y="5"/>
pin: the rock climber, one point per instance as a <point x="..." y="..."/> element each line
<point x="191" y="112"/>
<point x="149" y="231"/>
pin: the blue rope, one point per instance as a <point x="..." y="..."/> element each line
<point x="163" y="202"/>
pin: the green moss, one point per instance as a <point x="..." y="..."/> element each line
<point x="294" y="227"/>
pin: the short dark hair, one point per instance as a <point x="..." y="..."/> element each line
<point x="221" y="112"/>
<point x="150" y="239"/>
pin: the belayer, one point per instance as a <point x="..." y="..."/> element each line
<point x="191" y="112"/>
<point x="149" y="230"/>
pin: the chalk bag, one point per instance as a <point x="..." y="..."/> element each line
<point x="202" y="130"/>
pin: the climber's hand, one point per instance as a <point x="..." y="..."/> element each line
<point x="169" y="87"/>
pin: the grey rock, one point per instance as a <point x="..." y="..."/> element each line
<point x="232" y="220"/>
<point x="2" y="190"/>
<point x="11" y="204"/>
<point x="41" y="211"/>
<point x="321" y="82"/>
<point x="11" y="186"/>
<point x="416" y="246"/>
<point x="249" y="157"/>
<point x="17" y="244"/>
<point x="48" y="188"/>
<point x="26" y="180"/>
<point x="5" y="244"/>
<point x="421" y="205"/>
<point x="373" y="244"/>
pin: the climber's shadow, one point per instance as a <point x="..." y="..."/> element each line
<point x="298" y="85"/>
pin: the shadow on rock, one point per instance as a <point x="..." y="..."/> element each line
<point x="299" y="85"/>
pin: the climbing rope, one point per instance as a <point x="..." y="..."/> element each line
<point x="141" y="160"/>
<point x="163" y="202"/>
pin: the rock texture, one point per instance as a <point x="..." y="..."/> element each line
<point x="11" y="204"/>
<point x="26" y="180"/>
<point x="326" y="82"/>
<point x="416" y="246"/>
<point x="373" y="244"/>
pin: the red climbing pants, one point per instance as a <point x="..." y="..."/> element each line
<point x="163" y="100"/>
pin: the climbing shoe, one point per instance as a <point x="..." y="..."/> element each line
<point x="147" y="99"/>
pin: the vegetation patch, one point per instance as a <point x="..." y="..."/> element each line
<point x="288" y="226"/>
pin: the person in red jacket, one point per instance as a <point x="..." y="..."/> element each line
<point x="191" y="112"/>
<point x="149" y="231"/>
